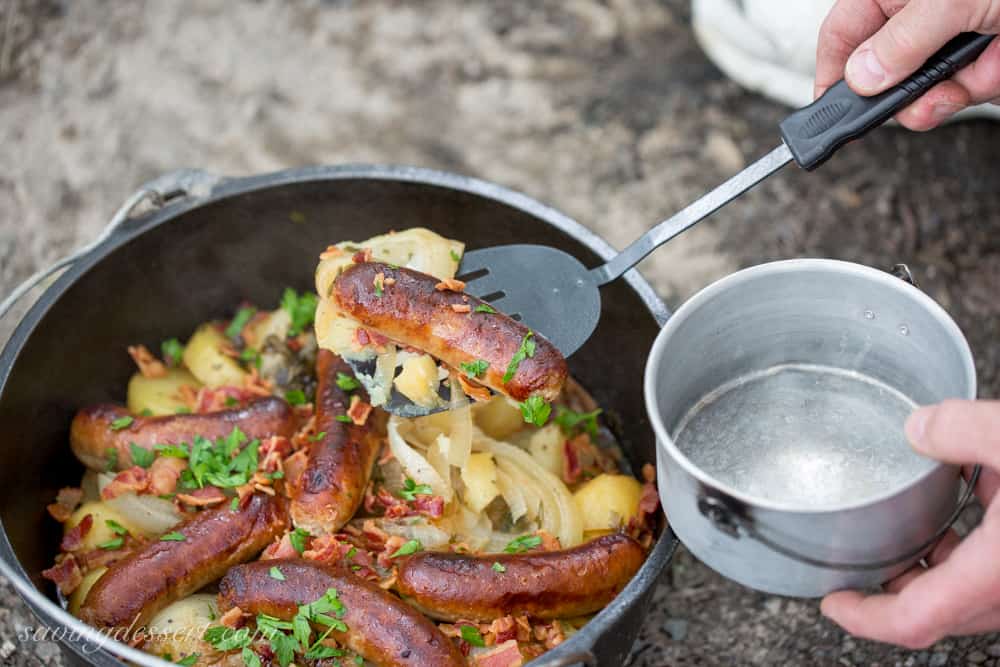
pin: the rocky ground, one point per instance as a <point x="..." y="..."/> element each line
<point x="606" y="110"/>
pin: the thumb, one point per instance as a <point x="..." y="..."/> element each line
<point x="904" y="43"/>
<point x="957" y="432"/>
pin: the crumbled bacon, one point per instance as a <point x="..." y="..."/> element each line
<point x="375" y="536"/>
<point x="272" y="452"/>
<point x="429" y="506"/>
<point x="476" y="391"/>
<point x="551" y="634"/>
<point x="130" y="480"/>
<point x="164" y="473"/>
<point x="257" y="385"/>
<point x="571" y="462"/>
<point x="386" y="455"/>
<point x="67" y="500"/>
<point x="549" y="542"/>
<point x="648" y="472"/>
<point x="363" y="255"/>
<point x="358" y="410"/>
<point x="189" y="396"/>
<point x="65" y="574"/>
<point x="503" y="629"/>
<point x="461" y="307"/>
<point x="507" y="654"/>
<point x="281" y="549"/>
<point x="451" y="285"/>
<point x="73" y="539"/>
<point x="649" y="501"/>
<point x="232" y="618"/>
<point x="331" y="251"/>
<point x="392" y="545"/>
<point x="523" y="628"/>
<point x="203" y="497"/>
<point x="149" y="366"/>
<point x="397" y="508"/>
<point x="220" y="398"/>
<point x="294" y="466"/>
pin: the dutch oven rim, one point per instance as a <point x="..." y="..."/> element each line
<point x="577" y="647"/>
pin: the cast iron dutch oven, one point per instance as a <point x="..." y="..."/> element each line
<point x="209" y="243"/>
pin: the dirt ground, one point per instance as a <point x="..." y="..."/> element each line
<point x="606" y="110"/>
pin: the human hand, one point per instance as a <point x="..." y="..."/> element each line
<point x="959" y="594"/>
<point x="875" y="44"/>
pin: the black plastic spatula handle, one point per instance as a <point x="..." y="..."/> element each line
<point x="815" y="132"/>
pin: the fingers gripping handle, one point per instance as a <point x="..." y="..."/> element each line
<point x="815" y="132"/>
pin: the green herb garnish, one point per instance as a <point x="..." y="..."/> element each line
<point x="111" y="544"/>
<point x="527" y="349"/>
<point x="116" y="527"/>
<point x="346" y="382"/>
<point x="483" y="308"/>
<point x="344" y="418"/>
<point x="173" y="351"/>
<point x="235" y="504"/>
<point x="172" y="536"/>
<point x="275" y="573"/>
<point x="189" y="660"/>
<point x="301" y="307"/>
<point x="121" y="422"/>
<point x="522" y="544"/>
<point x="569" y="420"/>
<point x="411" y="547"/>
<point x="221" y="463"/>
<point x="474" y="368"/>
<point x="141" y="457"/>
<point x="112" y="455"/>
<point x="179" y="451"/>
<point x="295" y="397"/>
<point x="411" y="490"/>
<point x="471" y="636"/>
<point x="298" y="539"/>
<point x="498" y="567"/>
<point x="319" y="436"/>
<point x="146" y="412"/>
<point x="251" y="357"/>
<point x="535" y="410"/>
<point x="226" y="639"/>
<point x="243" y="316"/>
<point x="455" y="256"/>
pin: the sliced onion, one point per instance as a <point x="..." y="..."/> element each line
<point x="461" y="426"/>
<point x="415" y="465"/>
<point x="385" y="371"/>
<point x="430" y="536"/>
<point x="437" y="456"/>
<point x="149" y="514"/>
<point x="512" y="495"/>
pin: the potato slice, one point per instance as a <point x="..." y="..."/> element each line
<point x="546" y="447"/>
<point x="203" y="356"/>
<point x="159" y="395"/>
<point x="608" y="501"/>
<point x="77" y="597"/>
<point x="498" y="417"/>
<point x="179" y="628"/>
<point x="100" y="532"/>
<point x="418" y="380"/>
<point x="480" y="478"/>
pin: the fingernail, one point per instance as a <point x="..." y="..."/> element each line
<point x="916" y="424"/>
<point x="943" y="110"/>
<point x="865" y="71"/>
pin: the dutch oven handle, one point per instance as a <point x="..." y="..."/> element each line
<point x="729" y="516"/>
<point x="157" y="192"/>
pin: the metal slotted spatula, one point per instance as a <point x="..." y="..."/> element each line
<point x="556" y="296"/>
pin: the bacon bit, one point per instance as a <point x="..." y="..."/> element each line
<point x="507" y="654"/>
<point x="227" y="349"/>
<point x="386" y="454"/>
<point x="204" y="497"/>
<point x="392" y="545"/>
<point x="294" y="466"/>
<point x="67" y="500"/>
<point x="264" y="489"/>
<point x="648" y="472"/>
<point x="461" y="307"/>
<point x="65" y="574"/>
<point x="571" y="462"/>
<point x="451" y="285"/>
<point x="257" y="385"/>
<point x="361" y="337"/>
<point x="503" y="629"/>
<point x="281" y="549"/>
<point x="296" y="344"/>
<point x="305" y="434"/>
<point x="244" y="493"/>
<point x="375" y="536"/>
<point x="232" y="618"/>
<point x="164" y="473"/>
<point x="73" y="539"/>
<point x="189" y="396"/>
<point x="271" y="453"/>
<point x="549" y="541"/>
<point x="370" y="499"/>
<point x="389" y="582"/>
<point x="476" y="391"/>
<point x="649" y="501"/>
<point x="523" y="628"/>
<point x="220" y="398"/>
<point x="429" y="506"/>
<point x="552" y="634"/>
<point x="149" y="366"/>
<point x="331" y="251"/>
<point x="131" y="480"/>
<point x="358" y="411"/>
<point x="363" y="255"/>
<point x="327" y="549"/>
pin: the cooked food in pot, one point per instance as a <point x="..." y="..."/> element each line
<point x="250" y="503"/>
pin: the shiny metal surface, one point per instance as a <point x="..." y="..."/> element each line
<point x="834" y="487"/>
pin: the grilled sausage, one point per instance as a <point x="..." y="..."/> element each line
<point x="551" y="584"/>
<point x="92" y="437"/>
<point x="381" y="628"/>
<point x="135" y="588"/>
<point x="331" y="487"/>
<point x="412" y="311"/>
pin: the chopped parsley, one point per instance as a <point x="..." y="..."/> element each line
<point x="527" y="349"/>
<point x="116" y="527"/>
<point x="298" y="539"/>
<point x="569" y="420"/>
<point x="146" y="412"/>
<point x="411" y="547"/>
<point x="378" y="285"/>
<point x="250" y="659"/>
<point x="275" y="573"/>
<point x="121" y="422"/>
<point x="183" y="410"/>
<point x="319" y="436"/>
<point x="115" y="543"/>
<point x="141" y="457"/>
<point x="112" y="455"/>
<point x="173" y="536"/>
<point x="221" y="463"/>
<point x="235" y="504"/>
<point x="522" y="544"/>
<point x="251" y="357"/>
<point x="243" y="316"/>
<point x="295" y="397"/>
<point x="174" y="451"/>
<point x="411" y="490"/>
<point x="346" y="382"/>
<point x="172" y="351"/>
<point x="189" y="660"/>
<point x="483" y="308"/>
<point x="498" y="567"/>
<point x="535" y="410"/>
<point x="344" y="418"/>
<point x="301" y="308"/>
<point x="471" y="636"/>
<point x="227" y="639"/>
<point x="475" y="368"/>
<point x="455" y="256"/>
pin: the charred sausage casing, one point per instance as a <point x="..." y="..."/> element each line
<point x="380" y="627"/>
<point x="409" y="308"/>
<point x="546" y="585"/>
<point x="331" y="487"/>
<point x="135" y="588"/>
<point x="92" y="438"/>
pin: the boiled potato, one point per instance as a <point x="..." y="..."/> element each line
<point x="546" y="447"/>
<point x="498" y="418"/>
<point x="418" y="380"/>
<point x="203" y="356"/>
<point x="159" y="395"/>
<point x="275" y="323"/>
<point x="480" y="478"/>
<point x="77" y="597"/>
<point x="99" y="532"/>
<point x="179" y="628"/>
<point x="608" y="501"/>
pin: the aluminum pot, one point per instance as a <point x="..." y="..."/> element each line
<point x="778" y="395"/>
<point x="207" y="244"/>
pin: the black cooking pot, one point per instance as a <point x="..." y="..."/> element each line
<point x="210" y="243"/>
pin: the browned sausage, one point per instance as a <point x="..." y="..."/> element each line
<point x="162" y="572"/>
<point x="91" y="435"/>
<point x="331" y="487"/>
<point x="381" y="628"/>
<point x="412" y="311"/>
<point x="551" y="584"/>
